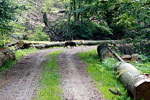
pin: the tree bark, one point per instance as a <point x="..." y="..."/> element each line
<point x="40" y="46"/>
<point x="20" y="44"/>
<point x="74" y="8"/>
<point x="137" y="84"/>
<point x="103" y="51"/>
<point x="5" y="55"/>
<point x="12" y="44"/>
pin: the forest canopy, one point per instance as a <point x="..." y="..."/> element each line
<point x="60" y="20"/>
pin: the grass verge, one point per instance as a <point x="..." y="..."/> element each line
<point x="144" y="65"/>
<point x="18" y="54"/>
<point x="50" y="81"/>
<point x="104" y="75"/>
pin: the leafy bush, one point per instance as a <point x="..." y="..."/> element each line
<point x="3" y="40"/>
<point x="39" y="35"/>
<point x="87" y="30"/>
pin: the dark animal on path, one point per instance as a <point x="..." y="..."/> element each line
<point x="69" y="43"/>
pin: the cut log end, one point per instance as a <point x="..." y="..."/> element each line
<point x="142" y="90"/>
<point x="137" y="84"/>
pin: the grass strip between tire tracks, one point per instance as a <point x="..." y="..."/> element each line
<point x="50" y="81"/>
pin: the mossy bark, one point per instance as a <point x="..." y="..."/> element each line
<point x="6" y="55"/>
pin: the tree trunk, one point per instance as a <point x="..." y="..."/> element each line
<point x="20" y="44"/>
<point x="103" y="52"/>
<point x="5" y="55"/>
<point x="23" y="45"/>
<point x="74" y="8"/>
<point x="138" y="85"/>
<point x="40" y="46"/>
<point x="12" y="44"/>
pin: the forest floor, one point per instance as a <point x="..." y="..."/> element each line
<point x="21" y="82"/>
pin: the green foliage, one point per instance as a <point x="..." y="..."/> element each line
<point x="40" y="35"/>
<point x="3" y="40"/>
<point x="86" y="30"/>
<point x="114" y="18"/>
<point x="7" y="65"/>
<point x="104" y="75"/>
<point x="50" y="80"/>
<point x="144" y="65"/>
<point x="83" y="19"/>
<point x="20" y="53"/>
<point x="82" y="30"/>
<point x="8" y="15"/>
<point x="47" y="6"/>
<point x="19" y="30"/>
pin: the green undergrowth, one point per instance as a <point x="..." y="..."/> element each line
<point x="22" y="52"/>
<point x="50" y="81"/>
<point x="18" y="55"/>
<point x="144" y="65"/>
<point x="104" y="75"/>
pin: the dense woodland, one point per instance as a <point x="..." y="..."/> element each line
<point x="60" y="20"/>
<point x="124" y="24"/>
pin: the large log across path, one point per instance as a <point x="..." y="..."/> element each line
<point x="137" y="84"/>
<point x="87" y="42"/>
<point x="46" y="44"/>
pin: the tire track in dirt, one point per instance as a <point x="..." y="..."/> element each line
<point x="21" y="81"/>
<point x="77" y="84"/>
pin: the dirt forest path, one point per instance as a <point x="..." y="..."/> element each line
<point x="21" y="81"/>
<point x="77" y="84"/>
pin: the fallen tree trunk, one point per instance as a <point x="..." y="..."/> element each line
<point x="103" y="51"/>
<point x="20" y="45"/>
<point x="23" y="45"/>
<point x="89" y="42"/>
<point x="12" y="44"/>
<point x="40" y="46"/>
<point x="5" y="55"/>
<point x="137" y="84"/>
